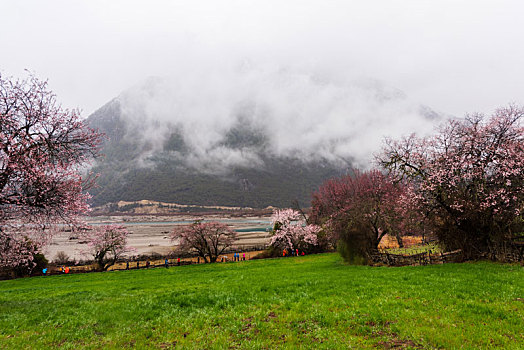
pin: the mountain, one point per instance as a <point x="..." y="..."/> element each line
<point x="125" y="176"/>
<point x="249" y="139"/>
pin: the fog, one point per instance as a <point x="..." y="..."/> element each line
<point x="455" y="57"/>
<point x="298" y="114"/>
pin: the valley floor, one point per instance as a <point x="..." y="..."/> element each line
<point x="312" y="302"/>
<point x="149" y="234"/>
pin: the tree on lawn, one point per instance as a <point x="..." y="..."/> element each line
<point x="469" y="177"/>
<point x="42" y="146"/>
<point x="17" y="251"/>
<point x="107" y="243"/>
<point x="358" y="211"/>
<point x="208" y="239"/>
<point x="291" y="231"/>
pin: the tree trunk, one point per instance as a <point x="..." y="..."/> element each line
<point x="399" y="240"/>
<point x="99" y="266"/>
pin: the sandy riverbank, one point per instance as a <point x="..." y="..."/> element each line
<point x="150" y="233"/>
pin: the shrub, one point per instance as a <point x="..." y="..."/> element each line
<point x="61" y="258"/>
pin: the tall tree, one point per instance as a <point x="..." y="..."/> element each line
<point x="42" y="147"/>
<point x="358" y="211"/>
<point x="107" y="243"/>
<point x="207" y="239"/>
<point x="469" y="177"/>
<point x="291" y="231"/>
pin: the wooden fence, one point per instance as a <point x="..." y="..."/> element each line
<point x="508" y="252"/>
<point x="425" y="258"/>
<point x="512" y="251"/>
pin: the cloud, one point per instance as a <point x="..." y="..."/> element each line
<point x="309" y="115"/>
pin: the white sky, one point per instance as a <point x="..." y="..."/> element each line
<point x="456" y="56"/>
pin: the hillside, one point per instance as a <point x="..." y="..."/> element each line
<point x="278" y="182"/>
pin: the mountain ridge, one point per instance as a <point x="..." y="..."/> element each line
<point x="275" y="183"/>
<point x="240" y="148"/>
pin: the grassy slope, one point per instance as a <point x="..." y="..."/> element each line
<point x="308" y="302"/>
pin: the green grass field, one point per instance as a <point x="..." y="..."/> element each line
<point x="306" y="302"/>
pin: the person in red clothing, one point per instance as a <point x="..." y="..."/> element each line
<point x="178" y="261"/>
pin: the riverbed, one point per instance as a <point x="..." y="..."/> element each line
<point x="150" y="234"/>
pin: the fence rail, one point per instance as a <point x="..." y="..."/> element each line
<point x="509" y="252"/>
<point x="512" y="251"/>
<point x="141" y="262"/>
<point x="425" y="258"/>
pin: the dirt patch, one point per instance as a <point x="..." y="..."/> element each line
<point x="382" y="330"/>
<point x="247" y="324"/>
<point x="168" y="345"/>
<point x="398" y="344"/>
<point x="270" y="316"/>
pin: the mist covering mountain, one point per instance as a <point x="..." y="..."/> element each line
<point x="244" y="137"/>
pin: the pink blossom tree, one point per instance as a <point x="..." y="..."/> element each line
<point x="469" y="178"/>
<point x="42" y="146"/>
<point x="291" y="231"/>
<point x="107" y="244"/>
<point x="17" y="250"/>
<point x="207" y="239"/>
<point x="358" y="211"/>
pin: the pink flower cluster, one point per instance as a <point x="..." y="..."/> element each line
<point x="469" y="177"/>
<point x="366" y="203"/>
<point x="291" y="231"/>
<point x="107" y="244"/>
<point x="471" y="166"/>
<point x="41" y="148"/>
